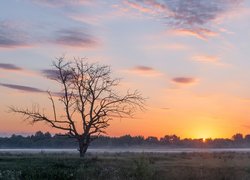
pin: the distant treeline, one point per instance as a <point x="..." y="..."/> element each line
<point x="46" y="140"/>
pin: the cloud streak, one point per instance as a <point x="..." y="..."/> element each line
<point x="192" y="17"/>
<point x="9" y="69"/>
<point x="29" y="89"/>
<point x="74" y="38"/>
<point x="200" y="33"/>
<point x="11" y="36"/>
<point x="184" y="80"/>
<point x="209" y="59"/>
<point x="22" y="88"/>
<point x="7" y="66"/>
<point x="144" y="71"/>
<point x="50" y="73"/>
<point x="206" y="58"/>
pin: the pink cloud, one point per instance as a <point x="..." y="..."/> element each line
<point x="215" y="60"/>
<point x="199" y="33"/>
<point x="170" y="46"/>
<point x="206" y="58"/>
<point x="138" y="7"/>
<point x="184" y="80"/>
<point x="144" y="71"/>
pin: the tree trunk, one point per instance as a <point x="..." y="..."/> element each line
<point x="83" y="149"/>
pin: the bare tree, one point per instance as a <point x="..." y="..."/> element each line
<point x="90" y="100"/>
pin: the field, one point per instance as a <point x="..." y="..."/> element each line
<point x="134" y="166"/>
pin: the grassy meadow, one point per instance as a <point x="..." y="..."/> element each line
<point x="125" y="166"/>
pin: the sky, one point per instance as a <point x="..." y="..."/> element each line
<point x="189" y="58"/>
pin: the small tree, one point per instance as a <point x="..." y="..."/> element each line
<point x="89" y="97"/>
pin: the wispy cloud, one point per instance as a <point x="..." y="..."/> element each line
<point x="170" y="46"/>
<point x="50" y="73"/>
<point x="86" y="18"/>
<point x="74" y="38"/>
<point x="98" y="19"/>
<point x="193" y="17"/>
<point x="11" y="36"/>
<point x="10" y="68"/>
<point x="139" y="7"/>
<point x="7" y="66"/>
<point x="210" y="59"/>
<point x="206" y="58"/>
<point x="199" y="33"/>
<point x="184" y="80"/>
<point x="29" y="89"/>
<point x="22" y="88"/>
<point x="143" y="71"/>
<point x="143" y="68"/>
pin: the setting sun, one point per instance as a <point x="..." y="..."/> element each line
<point x="194" y="76"/>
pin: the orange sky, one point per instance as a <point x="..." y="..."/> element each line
<point x="190" y="59"/>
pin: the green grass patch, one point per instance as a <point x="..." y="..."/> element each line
<point x="125" y="166"/>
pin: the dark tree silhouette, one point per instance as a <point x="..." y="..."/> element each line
<point x="238" y="137"/>
<point x="90" y="99"/>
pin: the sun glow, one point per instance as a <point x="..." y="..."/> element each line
<point x="204" y="135"/>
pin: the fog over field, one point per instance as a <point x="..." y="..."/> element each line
<point x="128" y="150"/>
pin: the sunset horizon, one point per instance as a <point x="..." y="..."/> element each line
<point x="190" y="60"/>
